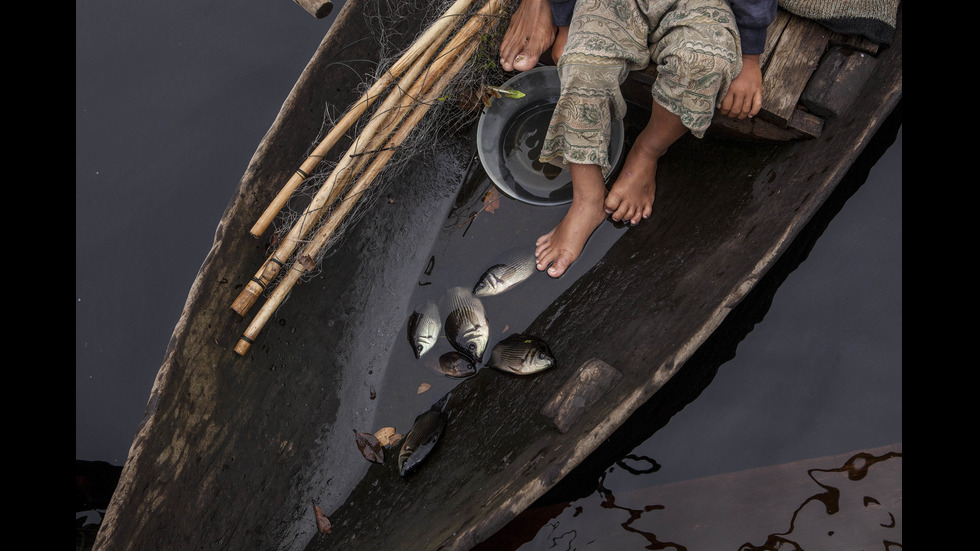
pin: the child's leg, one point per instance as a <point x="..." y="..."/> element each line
<point x="561" y="38"/>
<point x="631" y="197"/>
<point x="601" y="49"/>
<point x="563" y="245"/>
<point x="697" y="54"/>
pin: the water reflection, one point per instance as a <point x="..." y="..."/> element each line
<point x="634" y="514"/>
<point x="856" y="505"/>
<point x="847" y="511"/>
<point x="523" y="141"/>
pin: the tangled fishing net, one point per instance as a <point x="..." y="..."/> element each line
<point x="456" y="107"/>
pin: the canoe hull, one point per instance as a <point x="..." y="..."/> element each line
<point x="234" y="450"/>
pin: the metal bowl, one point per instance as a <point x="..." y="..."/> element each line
<point x="511" y="132"/>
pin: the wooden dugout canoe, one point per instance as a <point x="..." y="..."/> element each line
<point x="234" y="449"/>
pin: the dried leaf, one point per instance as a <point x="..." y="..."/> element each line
<point x="491" y="200"/>
<point x="506" y="327"/>
<point x="384" y="435"/>
<point x="307" y="262"/>
<point x="510" y="93"/>
<point x="396" y="438"/>
<point x="369" y="446"/>
<point x="322" y="522"/>
<point x="423" y="387"/>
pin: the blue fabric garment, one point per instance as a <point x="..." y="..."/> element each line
<point x="751" y="16"/>
<point x="561" y="12"/>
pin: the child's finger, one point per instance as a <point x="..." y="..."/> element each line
<point x="756" y="103"/>
<point x="744" y="107"/>
<point x="726" y="103"/>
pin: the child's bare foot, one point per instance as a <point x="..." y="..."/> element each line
<point x="562" y="246"/>
<point x="530" y="33"/>
<point x="631" y="197"/>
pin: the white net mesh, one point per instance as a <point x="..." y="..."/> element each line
<point x="451" y="108"/>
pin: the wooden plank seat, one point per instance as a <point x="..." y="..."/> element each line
<point x="809" y="73"/>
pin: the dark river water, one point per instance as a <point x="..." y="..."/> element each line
<point x="172" y="100"/>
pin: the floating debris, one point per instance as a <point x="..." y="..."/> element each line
<point x="370" y="447"/>
<point x="386" y="436"/>
<point x="322" y="522"/>
<point x="491" y="200"/>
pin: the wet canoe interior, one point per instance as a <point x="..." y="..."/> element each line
<point x="235" y="450"/>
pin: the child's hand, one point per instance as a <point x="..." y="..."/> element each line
<point x="744" y="98"/>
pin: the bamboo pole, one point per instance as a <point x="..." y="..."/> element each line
<point x="357" y="155"/>
<point x="333" y="186"/>
<point x="455" y="56"/>
<point x="316" y="8"/>
<point x="436" y="33"/>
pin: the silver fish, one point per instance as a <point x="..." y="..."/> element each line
<point x="423" y="328"/>
<point x="503" y="277"/>
<point x="466" y="325"/>
<point x="521" y="355"/>
<point x="420" y="440"/>
<point x="454" y="364"/>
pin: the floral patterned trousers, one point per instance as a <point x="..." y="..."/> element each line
<point x="694" y="44"/>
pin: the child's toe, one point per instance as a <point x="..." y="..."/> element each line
<point x="627" y="212"/>
<point x="558" y="267"/>
<point x="612" y="202"/>
<point x="525" y="61"/>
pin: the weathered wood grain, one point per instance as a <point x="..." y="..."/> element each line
<point x="837" y="81"/>
<point x="789" y="67"/>
<point x="583" y="389"/>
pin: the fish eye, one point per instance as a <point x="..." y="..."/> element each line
<point x="419" y="348"/>
<point x="472" y="346"/>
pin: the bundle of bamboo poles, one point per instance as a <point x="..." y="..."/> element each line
<point x="416" y="80"/>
